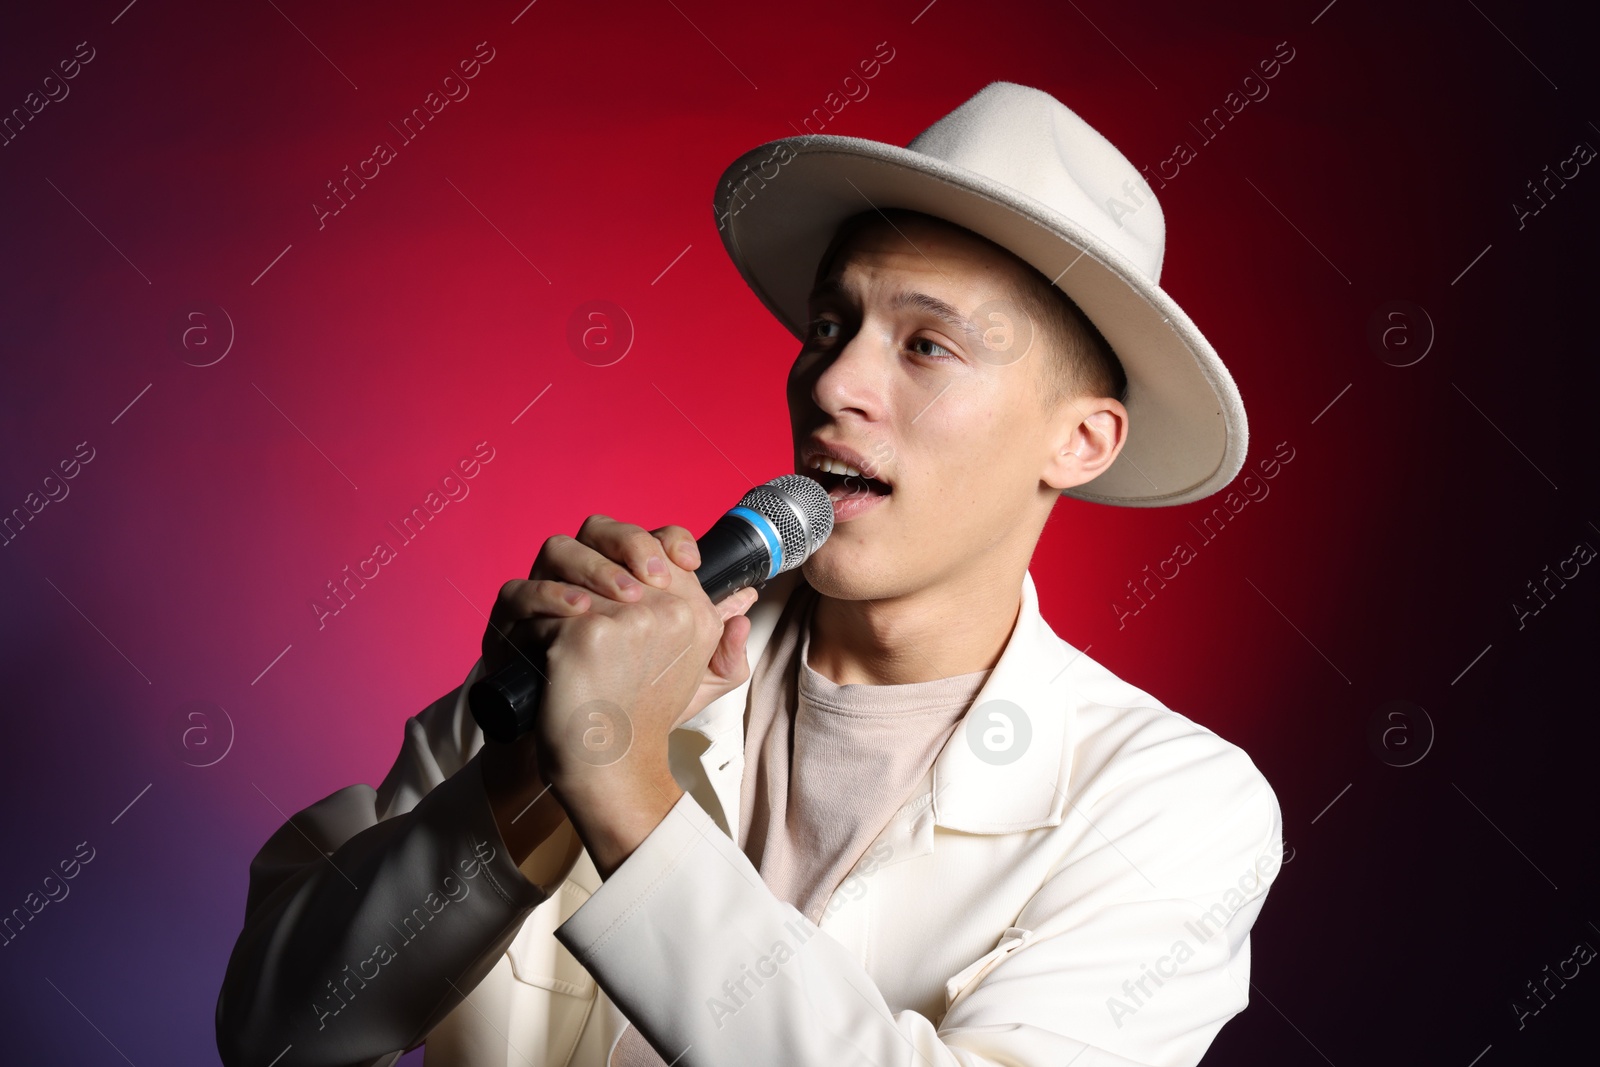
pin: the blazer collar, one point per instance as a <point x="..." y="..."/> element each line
<point x="1023" y="705"/>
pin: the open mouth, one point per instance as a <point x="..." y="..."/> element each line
<point x="843" y="481"/>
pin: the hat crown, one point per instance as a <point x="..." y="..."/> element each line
<point x="1026" y="139"/>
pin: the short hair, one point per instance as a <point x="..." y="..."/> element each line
<point x="1083" y="364"/>
<point x="1088" y="366"/>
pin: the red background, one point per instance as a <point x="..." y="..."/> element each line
<point x="371" y="354"/>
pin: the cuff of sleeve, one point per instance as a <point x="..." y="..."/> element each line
<point x="685" y="915"/>
<point x="458" y="808"/>
<point x="685" y="831"/>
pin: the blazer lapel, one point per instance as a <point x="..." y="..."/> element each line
<point x="1004" y="769"/>
<point x="721" y="722"/>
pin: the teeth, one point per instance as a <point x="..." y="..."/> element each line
<point x="833" y="466"/>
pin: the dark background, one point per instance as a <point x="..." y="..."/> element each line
<point x="371" y="354"/>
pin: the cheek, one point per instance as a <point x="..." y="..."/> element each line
<point x="968" y="454"/>
<point x="981" y="491"/>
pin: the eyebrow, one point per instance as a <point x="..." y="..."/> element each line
<point x="906" y="299"/>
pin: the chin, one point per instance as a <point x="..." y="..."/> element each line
<point x="836" y="571"/>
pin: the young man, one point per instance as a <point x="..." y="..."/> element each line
<point x="880" y="814"/>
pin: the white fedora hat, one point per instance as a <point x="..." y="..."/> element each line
<point x="1020" y="168"/>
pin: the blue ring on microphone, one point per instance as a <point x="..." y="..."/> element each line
<point x="768" y="532"/>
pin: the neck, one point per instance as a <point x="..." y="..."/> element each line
<point x="938" y="632"/>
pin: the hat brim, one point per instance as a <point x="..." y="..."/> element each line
<point x="1187" y="432"/>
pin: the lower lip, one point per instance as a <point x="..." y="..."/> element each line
<point x="848" y="505"/>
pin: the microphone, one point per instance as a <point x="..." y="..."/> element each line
<point x="774" y="528"/>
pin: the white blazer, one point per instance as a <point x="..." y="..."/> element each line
<point x="1088" y="902"/>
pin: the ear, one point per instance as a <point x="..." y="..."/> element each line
<point x="1090" y="432"/>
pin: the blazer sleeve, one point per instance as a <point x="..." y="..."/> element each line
<point x="372" y="913"/>
<point x="1183" y="858"/>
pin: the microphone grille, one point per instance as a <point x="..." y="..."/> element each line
<point x="800" y="510"/>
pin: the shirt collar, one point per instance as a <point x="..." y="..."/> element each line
<point x="1021" y="716"/>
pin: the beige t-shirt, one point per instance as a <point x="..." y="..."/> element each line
<point x="826" y="766"/>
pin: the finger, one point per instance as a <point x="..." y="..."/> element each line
<point x="518" y="641"/>
<point x="680" y="546"/>
<point x="728" y="662"/>
<point x="632" y="546"/>
<point x="566" y="559"/>
<point x="541" y="597"/>
<point x="521" y="609"/>
<point x="736" y="604"/>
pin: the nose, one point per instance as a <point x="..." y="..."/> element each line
<point x="850" y="378"/>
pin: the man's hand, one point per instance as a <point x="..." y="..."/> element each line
<point x="551" y="591"/>
<point x="608" y="565"/>
<point x="640" y="661"/>
<point x="556" y="589"/>
<point x="623" y="560"/>
<point x="625" y="661"/>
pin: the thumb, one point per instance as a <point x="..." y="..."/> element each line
<point x="728" y="662"/>
<point x="737" y="604"/>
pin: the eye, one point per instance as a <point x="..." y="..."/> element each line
<point x="938" y="350"/>
<point x="818" y="330"/>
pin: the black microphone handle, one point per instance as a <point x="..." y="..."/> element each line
<point x="732" y="555"/>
